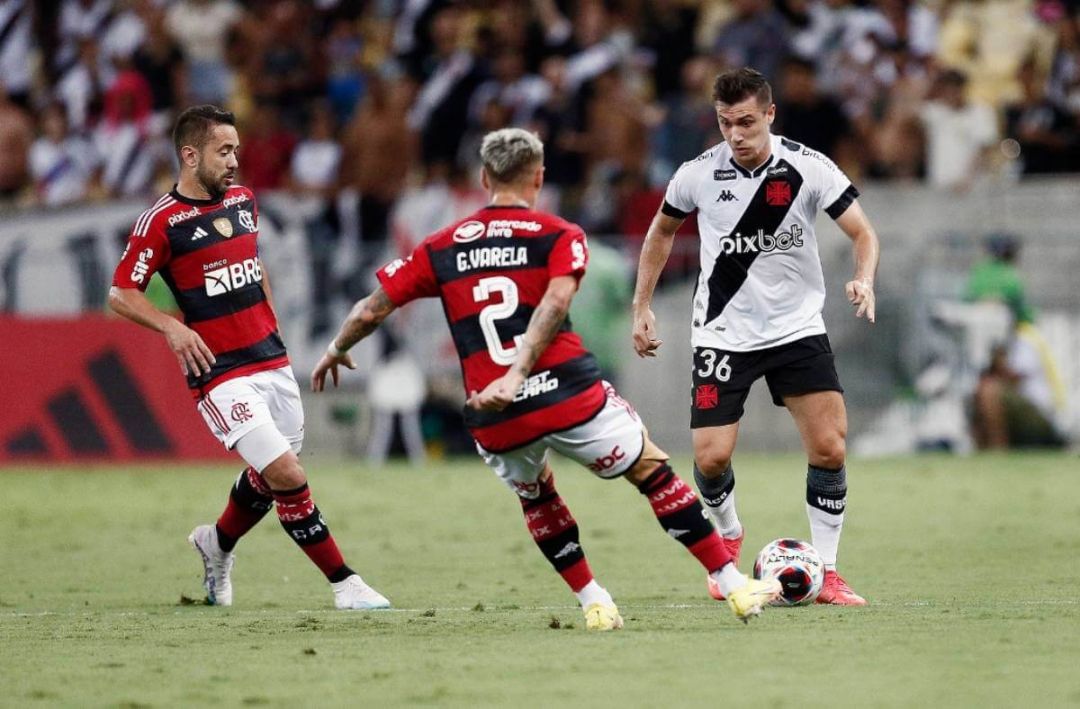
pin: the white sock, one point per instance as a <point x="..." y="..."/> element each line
<point x="825" y="534"/>
<point x="727" y="519"/>
<point x="729" y="579"/>
<point x="593" y="593"/>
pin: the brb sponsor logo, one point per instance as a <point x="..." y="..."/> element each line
<point x="232" y="276"/>
<point x="607" y="462"/>
<point x="761" y="242"/>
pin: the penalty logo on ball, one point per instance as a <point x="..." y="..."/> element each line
<point x="796" y="565"/>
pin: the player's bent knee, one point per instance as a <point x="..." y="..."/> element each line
<point x="829" y="453"/>
<point x="712" y="461"/>
<point x="285" y="472"/>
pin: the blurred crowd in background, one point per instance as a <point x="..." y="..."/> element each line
<point x="375" y="96"/>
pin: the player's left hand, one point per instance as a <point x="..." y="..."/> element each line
<point x="497" y="395"/>
<point x="329" y="363"/>
<point x="860" y="293"/>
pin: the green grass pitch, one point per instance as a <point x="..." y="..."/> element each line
<point x="970" y="565"/>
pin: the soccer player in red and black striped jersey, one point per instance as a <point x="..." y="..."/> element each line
<point x="506" y="276"/>
<point x="202" y="238"/>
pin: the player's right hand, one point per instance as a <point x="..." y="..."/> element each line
<point x="645" y="340"/>
<point x="329" y="363"/>
<point x="195" y="357"/>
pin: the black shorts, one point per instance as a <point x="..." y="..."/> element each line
<point x="722" y="379"/>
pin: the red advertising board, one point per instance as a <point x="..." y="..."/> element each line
<point x="94" y="388"/>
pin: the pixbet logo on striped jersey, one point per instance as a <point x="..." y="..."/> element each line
<point x="230" y="277"/>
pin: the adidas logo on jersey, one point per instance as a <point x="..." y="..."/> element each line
<point x="199" y="233"/>
<point x="761" y="242"/>
<point x="229" y="278"/>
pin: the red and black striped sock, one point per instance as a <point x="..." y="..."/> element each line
<point x="680" y="513"/>
<point x="249" y="501"/>
<point x="555" y="531"/>
<point x="304" y="523"/>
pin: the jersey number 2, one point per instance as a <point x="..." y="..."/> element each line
<point x="482" y="292"/>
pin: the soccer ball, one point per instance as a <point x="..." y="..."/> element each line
<point x="797" y="566"/>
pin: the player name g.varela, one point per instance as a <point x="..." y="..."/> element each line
<point x="492" y="257"/>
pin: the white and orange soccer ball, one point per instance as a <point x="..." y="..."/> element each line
<point x="798" y="567"/>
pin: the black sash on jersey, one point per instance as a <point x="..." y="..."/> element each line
<point x="730" y="270"/>
<point x="269" y="347"/>
<point x="574" y="375"/>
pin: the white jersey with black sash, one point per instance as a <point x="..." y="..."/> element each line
<point x="761" y="283"/>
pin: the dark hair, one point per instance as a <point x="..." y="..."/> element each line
<point x="193" y="126"/>
<point x="737" y="85"/>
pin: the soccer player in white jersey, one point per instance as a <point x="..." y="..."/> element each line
<point x="757" y="306"/>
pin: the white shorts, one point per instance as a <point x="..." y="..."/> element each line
<point x="609" y="444"/>
<point x="268" y="401"/>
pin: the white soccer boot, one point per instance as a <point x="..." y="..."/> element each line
<point x="353" y="594"/>
<point x="217" y="565"/>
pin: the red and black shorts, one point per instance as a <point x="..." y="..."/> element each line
<point x="722" y="379"/>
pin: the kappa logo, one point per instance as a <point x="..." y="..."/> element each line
<point x="724" y="175"/>
<point x="232" y="277"/>
<point x="469" y="231"/>
<point x="727" y="196"/>
<point x="199" y="233"/>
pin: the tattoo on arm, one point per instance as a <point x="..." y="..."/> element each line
<point x="365" y="318"/>
<point x="543" y="326"/>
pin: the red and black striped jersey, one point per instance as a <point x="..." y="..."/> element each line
<point x="207" y="254"/>
<point x="490" y="270"/>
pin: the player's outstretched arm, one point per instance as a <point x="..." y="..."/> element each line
<point x="864" y="240"/>
<point x="654" y="254"/>
<point x="543" y="326"/>
<point x="364" y="318"/>
<point x="194" y="356"/>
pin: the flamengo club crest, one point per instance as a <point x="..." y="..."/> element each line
<point x="223" y="226"/>
<point x="240" y="412"/>
<point x="247" y="220"/>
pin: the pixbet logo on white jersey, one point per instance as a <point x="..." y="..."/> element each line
<point x="232" y="276"/>
<point x="761" y="242"/>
